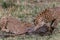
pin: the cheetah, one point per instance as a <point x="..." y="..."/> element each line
<point x="46" y="21"/>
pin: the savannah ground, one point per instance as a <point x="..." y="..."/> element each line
<point x="26" y="10"/>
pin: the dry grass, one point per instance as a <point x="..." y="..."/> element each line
<point x="26" y="10"/>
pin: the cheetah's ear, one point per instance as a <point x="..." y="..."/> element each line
<point x="52" y="22"/>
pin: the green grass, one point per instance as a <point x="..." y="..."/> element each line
<point x="27" y="12"/>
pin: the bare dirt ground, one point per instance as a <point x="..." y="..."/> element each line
<point x="26" y="10"/>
